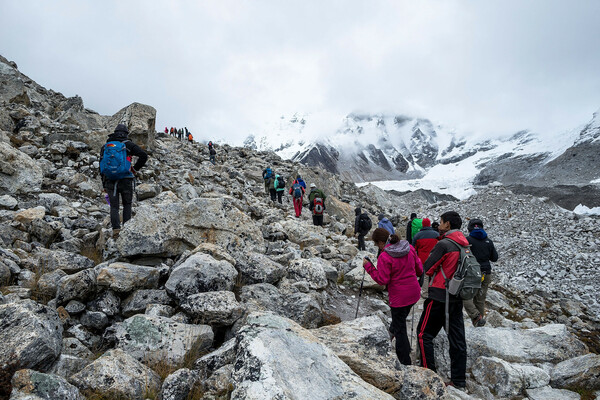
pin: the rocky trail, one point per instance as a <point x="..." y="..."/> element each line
<point x="211" y="291"/>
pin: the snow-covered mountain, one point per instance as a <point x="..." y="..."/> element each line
<point x="405" y="153"/>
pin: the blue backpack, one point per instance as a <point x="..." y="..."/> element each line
<point x="114" y="164"/>
<point x="268" y="173"/>
<point x="297" y="188"/>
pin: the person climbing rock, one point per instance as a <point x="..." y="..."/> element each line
<point x="316" y="204"/>
<point x="279" y="186"/>
<point x="423" y="242"/>
<point x="362" y="226"/>
<point x="386" y="224"/>
<point x="212" y="155"/>
<point x="267" y="177"/>
<point x="297" y="191"/>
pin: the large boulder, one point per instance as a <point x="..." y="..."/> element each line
<point x="179" y="385"/>
<point x="124" y="277"/>
<point x="171" y="228"/>
<point x="19" y="173"/>
<point x="302" y="234"/>
<point x="271" y="352"/>
<point x="137" y="302"/>
<point x="200" y="273"/>
<point x="160" y="339"/>
<point x="548" y="393"/>
<point x="119" y="375"/>
<point x="60" y="259"/>
<point x="213" y="308"/>
<point x="31" y="335"/>
<point x="27" y="382"/>
<point x="79" y="286"/>
<point x="74" y="357"/>
<point x="358" y="275"/>
<point x="310" y="270"/>
<point x="505" y="379"/>
<point x="259" y="268"/>
<point x="581" y="371"/>
<point x="140" y="119"/>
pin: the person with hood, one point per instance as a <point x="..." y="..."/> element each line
<point x="297" y="191"/>
<point x="437" y="313"/>
<point x="267" y="175"/>
<point x="212" y="155"/>
<point x="316" y="204"/>
<point x="166" y="130"/>
<point x="279" y="185"/>
<point x="398" y="268"/>
<point x="362" y="226"/>
<point x="122" y="187"/>
<point x="409" y="228"/>
<point x="484" y="251"/>
<point x="386" y="224"/>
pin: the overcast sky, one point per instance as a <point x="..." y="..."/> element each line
<point x="226" y="68"/>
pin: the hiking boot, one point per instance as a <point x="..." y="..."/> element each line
<point x="479" y="321"/>
<point x="115" y="233"/>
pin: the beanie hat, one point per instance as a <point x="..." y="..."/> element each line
<point x="381" y="216"/>
<point x="413" y="215"/>
<point x="426" y="222"/>
<point x="475" y="223"/>
<point x="121" y="128"/>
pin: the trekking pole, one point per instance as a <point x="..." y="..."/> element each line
<point x="412" y="326"/>
<point x="361" y="289"/>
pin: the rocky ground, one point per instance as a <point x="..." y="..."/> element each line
<point x="211" y="291"/>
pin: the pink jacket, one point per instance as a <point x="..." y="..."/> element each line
<point x="398" y="267"/>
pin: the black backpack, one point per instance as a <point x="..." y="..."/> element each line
<point x="364" y="222"/>
<point x="280" y="182"/>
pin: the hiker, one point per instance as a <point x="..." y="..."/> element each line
<point x="398" y="268"/>
<point x="118" y="174"/>
<point x="297" y="192"/>
<point x="409" y="228"/>
<point x="166" y="130"/>
<point x="210" y="145"/>
<point x="441" y="265"/>
<point x="186" y="131"/>
<point x="435" y="226"/>
<point x="316" y="204"/>
<point x="362" y="226"/>
<point x="484" y="251"/>
<point x="190" y="138"/>
<point x="213" y="155"/>
<point x="423" y="242"/>
<point x="267" y="174"/>
<point x="279" y="186"/>
<point x="386" y="224"/>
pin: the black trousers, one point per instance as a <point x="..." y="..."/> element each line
<point x="361" y="242"/>
<point x="398" y="329"/>
<point x="279" y="196"/>
<point x="273" y="194"/>
<point x="318" y="220"/>
<point x="432" y="321"/>
<point x="125" y="192"/>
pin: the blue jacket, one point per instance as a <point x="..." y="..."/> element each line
<point x="386" y="224"/>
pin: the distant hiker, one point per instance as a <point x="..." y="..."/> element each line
<point x="386" y="224"/>
<point x="297" y="192"/>
<point x="118" y="174"/>
<point x="316" y="199"/>
<point x="279" y="186"/>
<point x="213" y="155"/>
<point x="166" y="130"/>
<point x="172" y="132"/>
<point x="210" y="145"/>
<point x="186" y="131"/>
<point x="441" y="265"/>
<point x="190" y="138"/>
<point x="423" y="242"/>
<point x="267" y="175"/>
<point x="362" y="226"/>
<point x="398" y="268"/>
<point x="484" y="251"/>
<point x="435" y="226"/>
<point x="409" y="228"/>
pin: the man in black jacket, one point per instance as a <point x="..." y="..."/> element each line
<point x="409" y="228"/>
<point x="360" y="227"/>
<point x="484" y="251"/>
<point x="125" y="186"/>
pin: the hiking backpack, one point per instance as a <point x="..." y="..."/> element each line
<point x="297" y="190"/>
<point x="268" y="173"/>
<point x="280" y="182"/>
<point x="318" y="207"/>
<point x="114" y="164"/>
<point x="364" y="222"/>
<point x="416" y="226"/>
<point x="466" y="281"/>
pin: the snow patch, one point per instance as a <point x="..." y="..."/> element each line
<point x="584" y="210"/>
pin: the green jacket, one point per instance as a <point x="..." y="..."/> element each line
<point x="316" y="193"/>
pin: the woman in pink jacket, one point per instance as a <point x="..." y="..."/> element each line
<point x="398" y="268"/>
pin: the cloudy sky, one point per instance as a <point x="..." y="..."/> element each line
<point x="226" y="69"/>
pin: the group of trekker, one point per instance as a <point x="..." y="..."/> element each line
<point x="275" y="185"/>
<point x="181" y="133"/>
<point x="425" y="265"/>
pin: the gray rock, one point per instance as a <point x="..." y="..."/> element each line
<point x="8" y="202"/>
<point x="505" y="379"/>
<point x="420" y="383"/>
<point x="94" y="320"/>
<point x="548" y="393"/>
<point x="79" y="286"/>
<point x="260" y="268"/>
<point x="48" y="282"/>
<point x="31" y="335"/>
<point x="161" y="339"/>
<point x="140" y="120"/>
<point x="45" y="386"/>
<point x="159" y="310"/>
<point x="356" y="275"/>
<point x="583" y="371"/>
<point x="301" y="234"/>
<point x="29" y="215"/>
<point x="60" y="259"/>
<point x="116" y="373"/>
<point x="137" y="302"/>
<point x="211" y="362"/>
<point x="200" y="273"/>
<point x="106" y="302"/>
<point x="68" y="365"/>
<point x="82" y="334"/>
<point x="5" y="274"/>
<point x="123" y="277"/>
<point x="75" y="307"/>
<point x="73" y="347"/>
<point x="147" y="191"/>
<point x="220" y="381"/>
<point x="51" y="200"/>
<point x="272" y="349"/>
<point x="213" y="308"/>
<point x="170" y="229"/>
<point x="179" y="384"/>
<point x="310" y="270"/>
<point x="19" y="173"/>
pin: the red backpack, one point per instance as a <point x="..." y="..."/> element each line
<point x="318" y="206"/>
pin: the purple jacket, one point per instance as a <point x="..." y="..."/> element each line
<point x="398" y="268"/>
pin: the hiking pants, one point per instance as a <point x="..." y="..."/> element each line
<point x="273" y="194"/>
<point x="212" y="159"/>
<point x="398" y="329"/>
<point x="476" y="306"/>
<point x="267" y="185"/>
<point x="361" y="242"/>
<point x="318" y="220"/>
<point x="279" y="196"/>
<point x="298" y="206"/>
<point x="432" y="321"/>
<point x="125" y="191"/>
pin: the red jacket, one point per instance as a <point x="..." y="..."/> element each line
<point x="445" y="255"/>
<point x="398" y="268"/>
<point x="424" y="241"/>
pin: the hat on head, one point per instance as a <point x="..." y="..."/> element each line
<point x="381" y="216"/>
<point x="475" y="223"/>
<point x="298" y="177"/>
<point x="413" y="215"/>
<point x="426" y="222"/>
<point x="312" y="185"/>
<point x="122" y="128"/>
